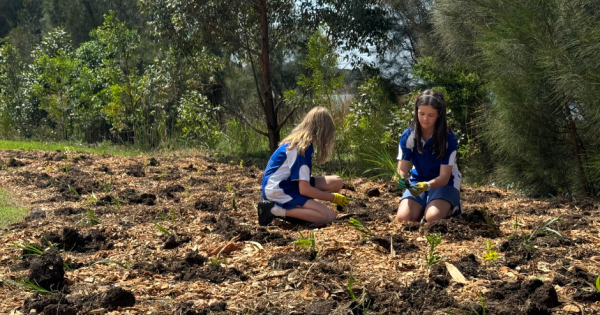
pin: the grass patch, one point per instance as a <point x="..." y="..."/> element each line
<point x="101" y="148"/>
<point x="10" y="212"/>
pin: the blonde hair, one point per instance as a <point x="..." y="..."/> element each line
<point x="316" y="128"/>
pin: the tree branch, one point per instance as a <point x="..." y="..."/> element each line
<point x="286" y="118"/>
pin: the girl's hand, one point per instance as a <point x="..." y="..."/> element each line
<point x="341" y="200"/>
<point x="402" y="184"/>
<point x="419" y="188"/>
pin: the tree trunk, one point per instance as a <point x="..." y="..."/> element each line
<point x="573" y="131"/>
<point x="269" y="106"/>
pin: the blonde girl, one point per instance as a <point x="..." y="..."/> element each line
<point x="288" y="189"/>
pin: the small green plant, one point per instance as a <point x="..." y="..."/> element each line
<point x="90" y="218"/>
<point x="544" y="229"/>
<point x="598" y="284"/>
<point x="359" y="226"/>
<point x="306" y="243"/>
<point x="107" y="187"/>
<point x="217" y="260"/>
<point x="234" y="206"/>
<point x="29" y="248"/>
<point x="433" y="257"/>
<point x="229" y="188"/>
<point x="491" y="254"/>
<point x="162" y="216"/>
<point x="482" y="303"/>
<point x="173" y="216"/>
<point x="161" y="228"/>
<point x="516" y="224"/>
<point x="351" y="282"/>
<point x="117" y="204"/>
<point x="28" y="286"/>
<point x="73" y="190"/>
<point x="384" y="165"/>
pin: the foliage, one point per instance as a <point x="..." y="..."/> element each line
<point x="433" y="257"/>
<point x="161" y="228"/>
<point x="598" y="284"/>
<point x="359" y="226"/>
<point x="306" y="243"/>
<point x="491" y="254"/>
<point x="543" y="229"/>
<point x="351" y="282"/>
<point x="196" y="118"/>
<point x="28" y="286"/>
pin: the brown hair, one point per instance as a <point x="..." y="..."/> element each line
<point x="440" y="132"/>
<point x="316" y="128"/>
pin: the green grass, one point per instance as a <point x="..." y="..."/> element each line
<point x="102" y="148"/>
<point x="10" y="212"/>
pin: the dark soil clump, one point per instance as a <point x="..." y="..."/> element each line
<point x="373" y="192"/>
<point x="213" y="273"/>
<point x="47" y="271"/>
<point x="153" y="162"/>
<point x="110" y="300"/>
<point x="421" y="297"/>
<point x="213" y="205"/>
<point x="291" y="260"/>
<point x="15" y="163"/>
<point x="145" y="199"/>
<point x="66" y="211"/>
<point x="41" y="302"/>
<point x="320" y="307"/>
<point x="174" y="241"/>
<point x="71" y="240"/>
<point x="188" y="308"/>
<point x="398" y="243"/>
<point x="263" y="236"/>
<point x="136" y="170"/>
<point x="467" y="265"/>
<point x="35" y="214"/>
<point x="573" y="222"/>
<point x="171" y="190"/>
<point x="531" y="297"/>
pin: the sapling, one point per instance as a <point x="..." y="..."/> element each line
<point x="306" y="243"/>
<point x="359" y="226"/>
<point x="161" y="228"/>
<point x="492" y="254"/>
<point x="433" y="257"/>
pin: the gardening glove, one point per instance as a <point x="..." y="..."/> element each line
<point x="402" y="184"/>
<point x="419" y="188"/>
<point x="341" y="200"/>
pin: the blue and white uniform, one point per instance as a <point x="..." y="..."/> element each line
<point x="285" y="169"/>
<point x="426" y="167"/>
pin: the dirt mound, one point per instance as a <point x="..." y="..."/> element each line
<point x="47" y="271"/>
<point x="15" y="163"/>
<point x="66" y="211"/>
<point x="398" y="243"/>
<point x="421" y="297"/>
<point x="171" y="190"/>
<point x="320" y="307"/>
<point x="70" y="239"/>
<point x="530" y="297"/>
<point x="52" y="302"/>
<point x="175" y="240"/>
<point x="211" y="205"/>
<point x="136" y="170"/>
<point x="188" y="308"/>
<point x="291" y="260"/>
<point x="213" y="273"/>
<point x="573" y="222"/>
<point x="109" y="300"/>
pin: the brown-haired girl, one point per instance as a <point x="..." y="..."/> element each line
<point x="434" y="192"/>
<point x="288" y="189"/>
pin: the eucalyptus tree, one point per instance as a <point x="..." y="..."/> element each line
<point x="541" y="63"/>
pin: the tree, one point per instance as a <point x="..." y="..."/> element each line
<point x="539" y="62"/>
<point x="250" y="30"/>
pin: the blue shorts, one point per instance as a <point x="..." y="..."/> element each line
<point x="448" y="193"/>
<point x="300" y="200"/>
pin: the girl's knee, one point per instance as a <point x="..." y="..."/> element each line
<point x="434" y="214"/>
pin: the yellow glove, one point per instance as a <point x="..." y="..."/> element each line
<point x="341" y="200"/>
<point x="419" y="188"/>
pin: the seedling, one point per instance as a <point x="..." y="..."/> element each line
<point x="359" y="226"/>
<point x="306" y="243"/>
<point x="173" y="216"/>
<point x="492" y="254"/>
<point x="433" y="257"/>
<point x="107" y="186"/>
<point x="28" y="286"/>
<point x="92" y="219"/>
<point x="241" y="163"/>
<point x="73" y="190"/>
<point x="29" y="248"/>
<point x="482" y="303"/>
<point x="543" y="229"/>
<point x="516" y="223"/>
<point x="217" y="261"/>
<point x="234" y="206"/>
<point x="162" y="216"/>
<point x="161" y="228"/>
<point x="229" y="189"/>
<point x="384" y="165"/>
<point x="92" y="199"/>
<point x="351" y="282"/>
<point x="598" y="284"/>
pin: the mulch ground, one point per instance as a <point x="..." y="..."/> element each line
<point x="217" y="260"/>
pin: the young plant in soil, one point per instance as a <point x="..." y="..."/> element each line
<point x="359" y="227"/>
<point x="161" y="228"/>
<point x="491" y="253"/>
<point x="28" y="286"/>
<point x="107" y="187"/>
<point x="433" y="257"/>
<point x="489" y="220"/>
<point x="598" y="284"/>
<point x="36" y="251"/>
<point x="90" y="218"/>
<point x="544" y="229"/>
<point x="482" y="303"/>
<point x="307" y="244"/>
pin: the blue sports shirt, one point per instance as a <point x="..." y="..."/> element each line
<point x="284" y="170"/>
<point x="426" y="166"/>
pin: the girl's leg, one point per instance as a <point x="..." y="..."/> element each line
<point x="409" y="210"/>
<point x="332" y="183"/>
<point x="437" y="209"/>
<point x="312" y="211"/>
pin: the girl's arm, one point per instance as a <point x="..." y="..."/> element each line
<point x="309" y="191"/>
<point x="442" y="180"/>
<point x="404" y="168"/>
